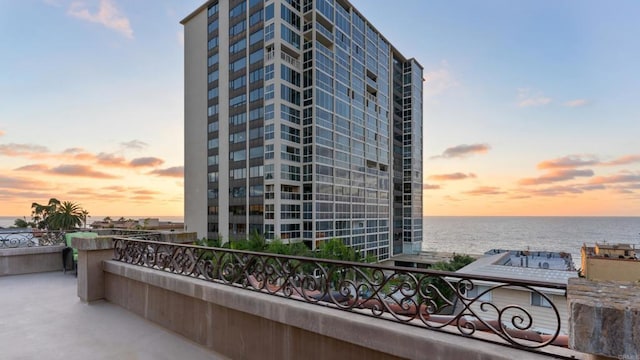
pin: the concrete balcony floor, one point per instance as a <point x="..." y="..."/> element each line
<point x="41" y="317"/>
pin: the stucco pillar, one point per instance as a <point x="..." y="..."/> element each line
<point x="604" y="318"/>
<point x="91" y="254"/>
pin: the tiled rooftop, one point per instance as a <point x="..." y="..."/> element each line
<point x="41" y="317"/>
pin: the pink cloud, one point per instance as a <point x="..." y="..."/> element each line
<point x="485" y="190"/>
<point x="18" y="183"/>
<point x="176" y="171"/>
<point x="569" y="161"/>
<point x="79" y="170"/>
<point x="452" y="176"/>
<point x="146" y="161"/>
<point x="107" y="14"/>
<point x="464" y="150"/>
<point x="623" y="160"/>
<point x="615" y="179"/>
<point x="23" y="150"/>
<point x="33" y="167"/>
<point x="577" y="103"/>
<point x="556" y="176"/>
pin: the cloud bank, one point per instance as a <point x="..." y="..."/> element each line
<point x="464" y="150"/>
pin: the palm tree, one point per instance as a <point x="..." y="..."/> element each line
<point x="68" y="216"/>
<point x="22" y="223"/>
<point x="85" y="215"/>
<point x="42" y="213"/>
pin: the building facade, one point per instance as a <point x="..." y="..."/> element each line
<point x="302" y="123"/>
<point x="604" y="262"/>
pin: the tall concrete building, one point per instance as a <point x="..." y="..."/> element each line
<point x="302" y="122"/>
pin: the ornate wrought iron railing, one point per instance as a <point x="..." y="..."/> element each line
<point x="425" y="298"/>
<point x="31" y="238"/>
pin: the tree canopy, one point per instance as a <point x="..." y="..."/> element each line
<point x="330" y="249"/>
<point x="57" y="215"/>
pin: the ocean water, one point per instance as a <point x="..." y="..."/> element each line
<point x="475" y="235"/>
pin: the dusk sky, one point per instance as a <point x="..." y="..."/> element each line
<point x="530" y="107"/>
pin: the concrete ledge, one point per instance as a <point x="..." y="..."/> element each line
<point x="89" y="244"/>
<point x="31" y="250"/>
<point x="605" y="318"/>
<point x="171" y="300"/>
<point x="31" y="260"/>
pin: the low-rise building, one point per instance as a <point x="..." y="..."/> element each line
<point x="610" y="262"/>
<point x="131" y="224"/>
<point x="542" y="266"/>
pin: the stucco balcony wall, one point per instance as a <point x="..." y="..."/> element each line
<point x="244" y="324"/>
<point x="28" y="260"/>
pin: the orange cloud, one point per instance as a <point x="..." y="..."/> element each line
<point x="141" y="197"/>
<point x="146" y="161"/>
<point x="79" y="154"/>
<point x="176" y="171"/>
<point x="80" y="170"/>
<point x="464" y="150"/>
<point x="23" y="150"/>
<point x="556" y="176"/>
<point x="8" y="194"/>
<point x="74" y="150"/>
<point x="570" y="161"/>
<point x="563" y="190"/>
<point x="485" y="190"/>
<point x="2" y="133"/>
<point x="117" y="191"/>
<point x="18" y="183"/>
<point x="615" y="179"/>
<point x="623" y="160"/>
<point x="68" y="170"/>
<point x="110" y="160"/>
<point x="573" y="161"/>
<point x="430" y="187"/>
<point x="33" y="167"/>
<point x="452" y="176"/>
<point x="145" y="192"/>
<point x="116" y="188"/>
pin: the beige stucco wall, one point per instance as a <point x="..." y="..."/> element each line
<point x="195" y="124"/>
<point x="30" y="260"/>
<point x="612" y="269"/>
<point x="244" y="324"/>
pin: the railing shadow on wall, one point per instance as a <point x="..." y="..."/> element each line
<point x="423" y="298"/>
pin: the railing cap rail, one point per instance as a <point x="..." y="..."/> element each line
<point x="440" y="273"/>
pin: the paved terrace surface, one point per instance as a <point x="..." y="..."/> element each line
<point x="41" y="317"/>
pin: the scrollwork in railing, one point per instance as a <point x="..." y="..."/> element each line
<point x="30" y="238"/>
<point x="438" y="300"/>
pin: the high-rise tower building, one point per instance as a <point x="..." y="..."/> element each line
<point x="302" y="122"/>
